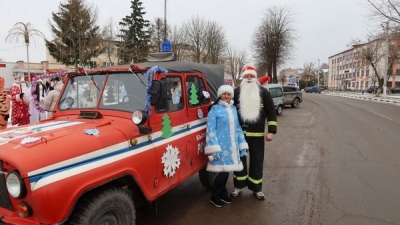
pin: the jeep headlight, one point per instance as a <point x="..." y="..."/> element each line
<point x="15" y="185"/>
<point x="139" y="117"/>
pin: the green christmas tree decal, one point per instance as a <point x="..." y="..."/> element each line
<point x="193" y="95"/>
<point x="167" y="129"/>
<point x="110" y="95"/>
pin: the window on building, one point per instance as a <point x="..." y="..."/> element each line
<point x="108" y="64"/>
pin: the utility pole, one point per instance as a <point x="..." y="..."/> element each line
<point x="165" y="20"/>
<point x="318" y="71"/>
<point x="386" y="55"/>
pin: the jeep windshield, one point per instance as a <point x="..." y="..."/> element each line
<point x="117" y="91"/>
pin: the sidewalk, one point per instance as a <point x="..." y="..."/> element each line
<point x="392" y="98"/>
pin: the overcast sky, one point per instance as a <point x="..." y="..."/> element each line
<point x="324" y="27"/>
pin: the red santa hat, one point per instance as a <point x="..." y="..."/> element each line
<point x="248" y="70"/>
<point x="264" y="79"/>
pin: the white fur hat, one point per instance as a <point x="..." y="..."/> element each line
<point x="225" y="88"/>
<point x="248" y="70"/>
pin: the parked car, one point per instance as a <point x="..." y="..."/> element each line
<point x="395" y="90"/>
<point x="276" y="92"/>
<point x="292" y="96"/>
<point x="313" y="89"/>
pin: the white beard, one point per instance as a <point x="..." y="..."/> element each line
<point x="250" y="100"/>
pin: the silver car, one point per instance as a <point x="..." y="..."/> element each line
<point x="292" y="96"/>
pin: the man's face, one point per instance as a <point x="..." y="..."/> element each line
<point x="249" y="78"/>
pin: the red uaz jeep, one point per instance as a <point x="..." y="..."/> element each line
<point x="119" y="137"/>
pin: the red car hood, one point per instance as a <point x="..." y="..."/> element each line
<point x="40" y="146"/>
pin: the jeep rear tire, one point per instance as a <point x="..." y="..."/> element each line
<point x="207" y="178"/>
<point x="109" y="206"/>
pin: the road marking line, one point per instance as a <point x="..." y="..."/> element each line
<point x="379" y="114"/>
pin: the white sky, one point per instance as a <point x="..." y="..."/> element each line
<point x="324" y="27"/>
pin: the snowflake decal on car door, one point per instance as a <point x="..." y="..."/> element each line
<point x="170" y="160"/>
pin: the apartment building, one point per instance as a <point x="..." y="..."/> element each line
<point x="348" y="72"/>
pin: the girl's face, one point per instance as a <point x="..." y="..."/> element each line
<point x="226" y="96"/>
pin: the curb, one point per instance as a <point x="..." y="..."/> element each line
<point x="387" y="100"/>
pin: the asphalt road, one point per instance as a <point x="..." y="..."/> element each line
<point x="334" y="161"/>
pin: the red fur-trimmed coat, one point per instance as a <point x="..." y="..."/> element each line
<point x="20" y="107"/>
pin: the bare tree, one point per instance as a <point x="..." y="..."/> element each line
<point x="273" y="41"/>
<point x="385" y="10"/>
<point x="236" y="60"/>
<point x="178" y="40"/>
<point x="195" y="32"/>
<point x="109" y="37"/>
<point x="25" y="31"/>
<point x="308" y="76"/>
<point x="216" y="42"/>
<point x="157" y="34"/>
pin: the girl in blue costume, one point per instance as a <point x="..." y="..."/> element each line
<point x="225" y="143"/>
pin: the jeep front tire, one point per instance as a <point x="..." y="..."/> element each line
<point x="106" y="206"/>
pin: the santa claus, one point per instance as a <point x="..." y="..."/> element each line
<point x="255" y="105"/>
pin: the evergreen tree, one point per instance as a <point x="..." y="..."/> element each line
<point x="77" y="37"/>
<point x="110" y="95"/>
<point x="133" y="44"/>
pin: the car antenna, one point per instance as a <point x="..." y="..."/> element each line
<point x="81" y="70"/>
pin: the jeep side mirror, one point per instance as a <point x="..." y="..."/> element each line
<point x="155" y="92"/>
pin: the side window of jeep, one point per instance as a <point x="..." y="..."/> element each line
<point x="172" y="96"/>
<point x="194" y="90"/>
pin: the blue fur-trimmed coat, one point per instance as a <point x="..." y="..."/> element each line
<point x="224" y="139"/>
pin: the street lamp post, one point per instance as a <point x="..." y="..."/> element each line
<point x="385" y="67"/>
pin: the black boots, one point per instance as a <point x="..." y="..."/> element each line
<point x="224" y="196"/>
<point x="219" y="198"/>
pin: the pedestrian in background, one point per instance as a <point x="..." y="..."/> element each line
<point x="254" y="104"/>
<point x="52" y="96"/>
<point x="225" y="143"/>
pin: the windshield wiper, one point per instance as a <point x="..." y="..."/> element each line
<point x="91" y="78"/>
<point x="137" y="77"/>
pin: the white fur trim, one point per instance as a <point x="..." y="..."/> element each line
<point x="211" y="158"/>
<point x="225" y="88"/>
<point x="224" y="168"/>
<point x="244" y="146"/>
<point x="212" y="149"/>
<point x="224" y="103"/>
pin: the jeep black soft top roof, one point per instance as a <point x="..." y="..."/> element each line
<point x="214" y="73"/>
